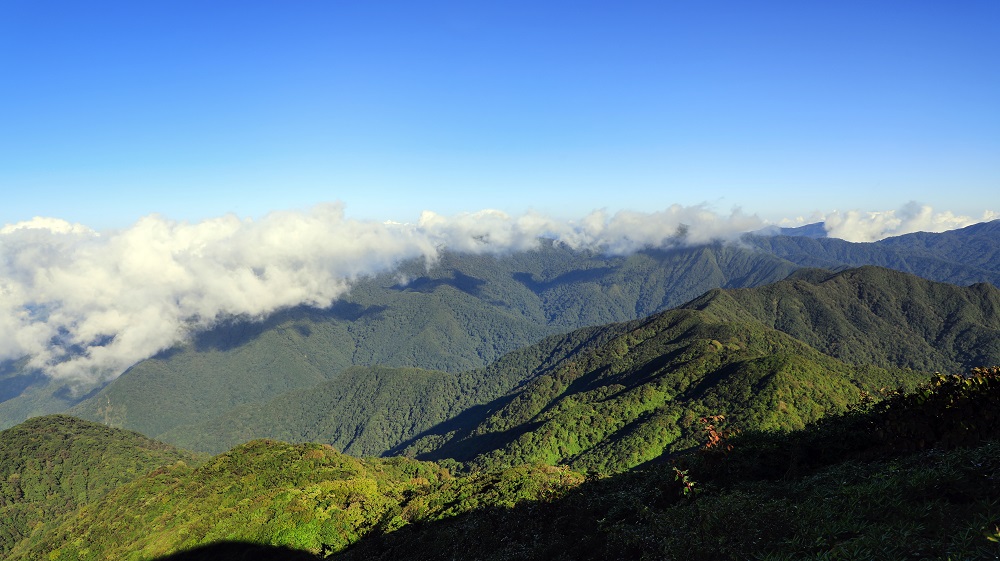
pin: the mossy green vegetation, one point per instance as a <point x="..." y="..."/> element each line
<point x="873" y="315"/>
<point x="639" y="396"/>
<point x="307" y="497"/>
<point x="712" y="431"/>
<point x="50" y="465"/>
<point x="876" y="482"/>
<point x="838" y="489"/>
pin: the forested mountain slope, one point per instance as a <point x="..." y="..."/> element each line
<point x="873" y="315"/>
<point x="307" y="496"/>
<point x="51" y="465"/>
<point x="642" y="394"/>
<point x="964" y="256"/>
<point x="856" y="316"/>
<point x="368" y="410"/>
<point x="912" y="477"/>
<point x="464" y="312"/>
<point x="909" y="477"/>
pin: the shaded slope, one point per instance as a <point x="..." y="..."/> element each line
<point x="26" y="393"/>
<point x="862" y="486"/>
<point x="872" y="315"/>
<point x="640" y="395"/>
<point x="369" y="410"/>
<point x="869" y="316"/>
<point x="50" y="465"/>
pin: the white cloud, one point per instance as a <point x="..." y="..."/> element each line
<point x="858" y="226"/>
<point x="86" y="305"/>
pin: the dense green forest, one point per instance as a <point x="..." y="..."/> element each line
<point x="52" y="465"/>
<point x="873" y="315"/>
<point x="866" y="319"/>
<point x="550" y="406"/>
<point x="913" y="476"/>
<point x="463" y="312"/>
<point x="908" y="475"/>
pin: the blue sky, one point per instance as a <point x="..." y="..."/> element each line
<point x="110" y="111"/>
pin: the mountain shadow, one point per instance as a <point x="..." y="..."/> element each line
<point x="459" y="281"/>
<point x="844" y="487"/>
<point x="237" y="332"/>
<point x="240" y="551"/>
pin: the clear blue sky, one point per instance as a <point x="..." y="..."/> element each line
<point x="113" y="110"/>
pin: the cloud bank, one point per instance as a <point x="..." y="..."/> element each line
<point x="84" y="305"/>
<point x="858" y="226"/>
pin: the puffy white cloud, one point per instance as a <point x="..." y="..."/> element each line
<point x="86" y="305"/>
<point x="858" y="226"/>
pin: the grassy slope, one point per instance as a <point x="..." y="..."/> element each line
<point x="50" y="465"/>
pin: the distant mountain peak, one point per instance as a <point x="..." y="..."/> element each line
<point x="814" y="230"/>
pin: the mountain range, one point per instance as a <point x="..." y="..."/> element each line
<point x="465" y="312"/>
<point x="587" y="404"/>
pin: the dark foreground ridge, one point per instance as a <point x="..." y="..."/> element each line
<point x="240" y="551"/>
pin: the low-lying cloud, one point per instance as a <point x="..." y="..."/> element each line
<point x="84" y="305"/>
<point x="858" y="226"/>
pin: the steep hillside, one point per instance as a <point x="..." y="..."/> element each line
<point x="51" y="465"/>
<point x="26" y="393"/>
<point x="909" y="477"/>
<point x="464" y="312"/>
<point x="872" y="315"/>
<point x="641" y="394"/>
<point x="865" y="317"/>
<point x="368" y="410"/>
<point x="884" y="483"/>
<point x="307" y="497"/>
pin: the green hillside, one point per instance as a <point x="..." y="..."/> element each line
<point x="876" y="316"/>
<point x="873" y="484"/>
<point x="26" y="393"/>
<point x="307" y="497"/>
<point x="912" y="476"/>
<point x="641" y="395"/>
<point x="464" y="312"/>
<point x="369" y="410"/>
<point x="51" y="465"/>
<point x="864" y="317"/>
